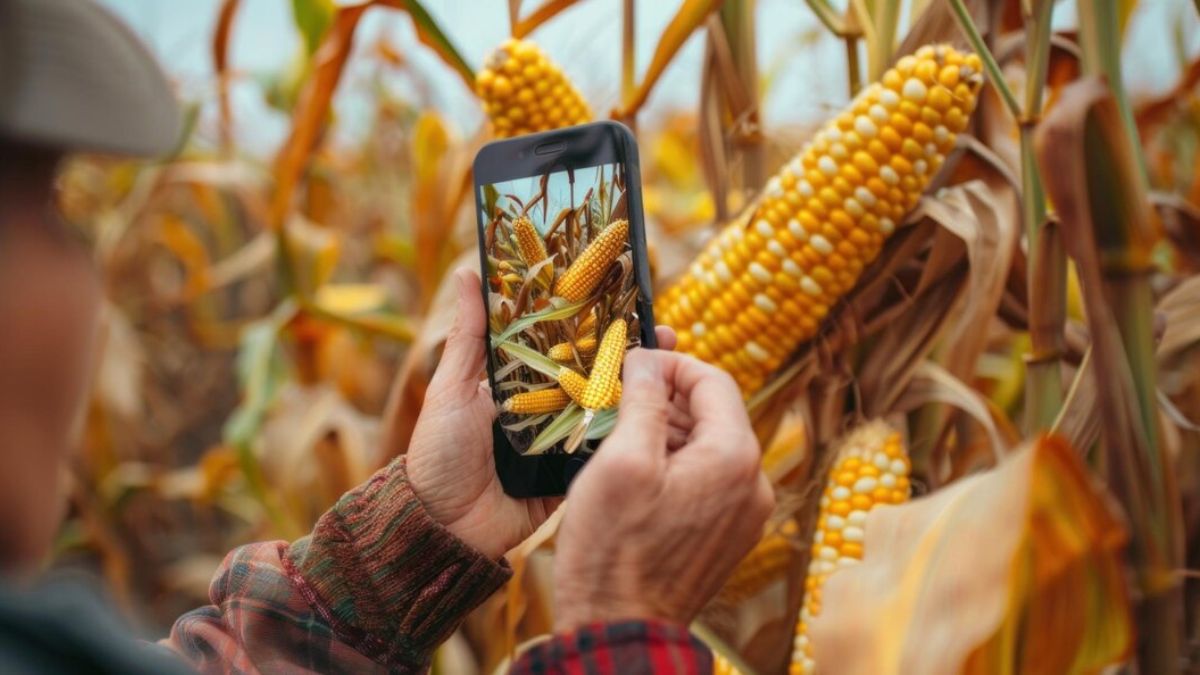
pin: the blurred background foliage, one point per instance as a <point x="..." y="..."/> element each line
<point x="273" y="290"/>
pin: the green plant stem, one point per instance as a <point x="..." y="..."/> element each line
<point x="828" y="16"/>
<point x="1132" y="301"/>
<point x="853" y="68"/>
<point x="737" y="16"/>
<point x="1100" y="42"/>
<point x="1044" y="393"/>
<point x="971" y="31"/>
<point x="887" y="15"/>
<point x="1047" y="280"/>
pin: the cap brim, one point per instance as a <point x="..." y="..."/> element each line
<point x="74" y="77"/>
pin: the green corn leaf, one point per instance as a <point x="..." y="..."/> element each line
<point x="312" y="19"/>
<point x="532" y="358"/>
<point x="549" y="314"/>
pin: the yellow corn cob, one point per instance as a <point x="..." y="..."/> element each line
<point x="529" y="242"/>
<point x="603" y="385"/>
<point x="870" y="468"/>
<point x="763" y="285"/>
<point x="587" y="325"/>
<point x="523" y="91"/>
<point x="581" y="278"/>
<point x="574" y="384"/>
<point x="537" y="402"/>
<point x="764" y="564"/>
<point x="564" y="352"/>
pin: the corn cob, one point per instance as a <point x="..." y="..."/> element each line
<point x="605" y="379"/>
<point x="870" y="468"/>
<point x="586" y="272"/>
<point x="523" y="91"/>
<point x="587" y="325"/>
<point x="564" y="352"/>
<point x="762" y="565"/>
<point x="529" y="243"/>
<point x="762" y="286"/>
<point x="537" y="402"/>
<point x="574" y="384"/>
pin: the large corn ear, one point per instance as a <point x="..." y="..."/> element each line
<point x="523" y="91"/>
<point x="763" y="285"/>
<point x="870" y="468"/>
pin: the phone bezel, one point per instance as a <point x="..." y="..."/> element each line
<point x="582" y="146"/>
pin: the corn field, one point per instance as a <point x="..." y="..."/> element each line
<point x="969" y="296"/>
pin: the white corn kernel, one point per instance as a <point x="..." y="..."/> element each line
<point x="914" y="90"/>
<point x="820" y="244"/>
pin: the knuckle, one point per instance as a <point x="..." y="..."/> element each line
<point x="629" y="467"/>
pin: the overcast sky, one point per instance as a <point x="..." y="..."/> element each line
<point x="585" y="40"/>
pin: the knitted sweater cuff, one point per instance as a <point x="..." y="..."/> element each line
<point x="390" y="580"/>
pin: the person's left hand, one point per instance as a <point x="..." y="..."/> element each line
<point x="450" y="463"/>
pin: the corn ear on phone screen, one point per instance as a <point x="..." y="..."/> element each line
<point x="565" y="281"/>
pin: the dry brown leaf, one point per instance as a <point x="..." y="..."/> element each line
<point x="220" y="54"/>
<point x="1014" y="570"/>
<point x="315" y="446"/>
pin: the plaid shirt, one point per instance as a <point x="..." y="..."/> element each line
<point x="377" y="587"/>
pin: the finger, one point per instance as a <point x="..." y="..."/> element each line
<point x="665" y="336"/>
<point x="707" y="394"/>
<point x="462" y="358"/>
<point x="642" y="421"/>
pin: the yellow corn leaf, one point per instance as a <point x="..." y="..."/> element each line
<point x="1016" y="570"/>
<point x="690" y="16"/>
<point x="351" y="298"/>
<point x="315" y="251"/>
<point x="189" y="249"/>
<point x="312" y="109"/>
<point x="546" y="11"/>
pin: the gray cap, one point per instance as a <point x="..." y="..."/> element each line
<point x="74" y="77"/>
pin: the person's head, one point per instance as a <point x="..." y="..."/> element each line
<point x="72" y="78"/>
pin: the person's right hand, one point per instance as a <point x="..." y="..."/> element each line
<point x="658" y="519"/>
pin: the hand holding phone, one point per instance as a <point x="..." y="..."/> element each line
<point x="672" y="501"/>
<point x="449" y="460"/>
<point x="566" y="286"/>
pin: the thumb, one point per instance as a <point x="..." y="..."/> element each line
<point x="642" y="423"/>
<point x="462" y="358"/>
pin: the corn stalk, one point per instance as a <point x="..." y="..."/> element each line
<point x="1093" y="179"/>
<point x="737" y="19"/>
<point x="1047" y="273"/>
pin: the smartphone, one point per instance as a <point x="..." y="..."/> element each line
<point x="566" y="287"/>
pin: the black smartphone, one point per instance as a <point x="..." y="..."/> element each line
<point x="566" y="287"/>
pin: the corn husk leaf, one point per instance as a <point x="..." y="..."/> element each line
<point x="689" y="17"/>
<point x="1014" y="570"/>
<point x="532" y="358"/>
<point x="554" y="313"/>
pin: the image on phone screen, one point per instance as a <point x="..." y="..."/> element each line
<point x="562" y="302"/>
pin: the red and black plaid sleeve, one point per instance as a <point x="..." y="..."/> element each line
<point x="375" y="589"/>
<point x="625" y="648"/>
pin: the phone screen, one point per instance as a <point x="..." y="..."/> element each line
<point x="563" y="303"/>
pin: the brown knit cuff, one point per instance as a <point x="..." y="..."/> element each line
<point x="392" y="582"/>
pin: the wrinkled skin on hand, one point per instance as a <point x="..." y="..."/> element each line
<point x="671" y="502"/>
<point x="450" y="463"/>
